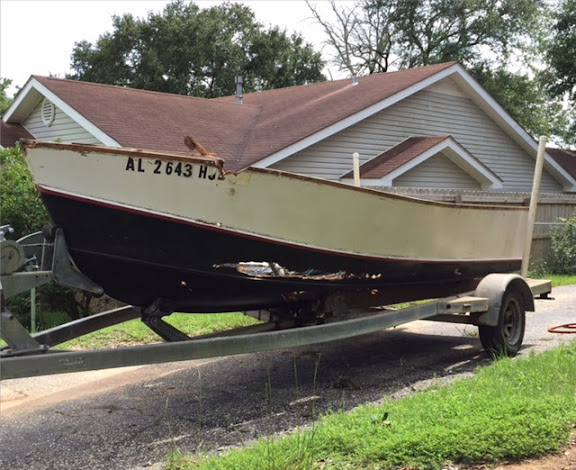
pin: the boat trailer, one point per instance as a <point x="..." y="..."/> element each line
<point x="497" y="306"/>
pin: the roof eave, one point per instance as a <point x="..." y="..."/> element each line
<point x="29" y="96"/>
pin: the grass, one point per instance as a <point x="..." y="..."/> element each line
<point x="510" y="410"/>
<point x="135" y="332"/>
<point x="559" y="279"/>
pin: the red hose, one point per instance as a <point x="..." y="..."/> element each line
<point x="568" y="328"/>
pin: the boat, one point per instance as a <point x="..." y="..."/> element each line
<point x="182" y="233"/>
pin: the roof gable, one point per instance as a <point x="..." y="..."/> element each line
<point x="267" y="128"/>
<point x="347" y="104"/>
<point x="397" y="161"/>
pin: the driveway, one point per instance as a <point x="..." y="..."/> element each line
<point x="131" y="418"/>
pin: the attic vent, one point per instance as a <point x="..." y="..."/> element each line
<point x="48" y="112"/>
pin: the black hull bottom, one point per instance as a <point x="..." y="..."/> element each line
<point x="139" y="258"/>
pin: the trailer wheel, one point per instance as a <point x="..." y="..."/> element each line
<point x="506" y="337"/>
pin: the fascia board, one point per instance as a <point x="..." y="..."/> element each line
<point x="33" y="84"/>
<point x="472" y="166"/>
<point x="18" y="101"/>
<point x="354" y="119"/>
<point x="489" y="105"/>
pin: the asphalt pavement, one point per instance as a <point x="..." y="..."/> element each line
<point x="131" y="418"/>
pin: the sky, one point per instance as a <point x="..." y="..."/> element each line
<point x="37" y="36"/>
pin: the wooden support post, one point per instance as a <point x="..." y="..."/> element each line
<point x="356" y="163"/>
<point x="533" y="205"/>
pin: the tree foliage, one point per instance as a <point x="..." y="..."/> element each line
<point x="434" y="31"/>
<point x="561" y="52"/>
<point x="5" y="101"/>
<point x="562" y="256"/>
<point x="559" y="48"/>
<point x="192" y="51"/>
<point x="375" y="34"/>
<point x="20" y="204"/>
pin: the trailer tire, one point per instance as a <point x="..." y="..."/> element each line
<point x="506" y="337"/>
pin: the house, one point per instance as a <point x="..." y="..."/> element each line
<point x="12" y="133"/>
<point x="429" y="131"/>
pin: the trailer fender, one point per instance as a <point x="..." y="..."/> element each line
<point x="493" y="288"/>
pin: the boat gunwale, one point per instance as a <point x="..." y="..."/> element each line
<point x="220" y="164"/>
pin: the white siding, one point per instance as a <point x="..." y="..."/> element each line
<point x="448" y="87"/>
<point x="63" y="128"/>
<point x="427" y="112"/>
<point x="436" y="172"/>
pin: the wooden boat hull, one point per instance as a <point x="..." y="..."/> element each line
<point x="190" y="239"/>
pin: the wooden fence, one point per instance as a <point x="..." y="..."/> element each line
<point x="548" y="217"/>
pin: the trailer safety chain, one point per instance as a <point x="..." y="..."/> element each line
<point x="567" y="328"/>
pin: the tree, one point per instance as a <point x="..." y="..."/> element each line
<point x="4" y="100"/>
<point x="435" y="31"/>
<point x="374" y="34"/>
<point x="192" y="51"/>
<point x="561" y="52"/>
<point x="361" y="36"/>
<point x="559" y="78"/>
<point x="526" y="99"/>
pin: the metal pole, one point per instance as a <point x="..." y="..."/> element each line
<point x="33" y="310"/>
<point x="356" y="163"/>
<point x="533" y="205"/>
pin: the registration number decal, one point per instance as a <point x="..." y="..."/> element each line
<point x="167" y="167"/>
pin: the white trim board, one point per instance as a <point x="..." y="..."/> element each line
<point x="25" y="105"/>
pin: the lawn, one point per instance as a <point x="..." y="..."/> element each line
<point x="510" y="410"/>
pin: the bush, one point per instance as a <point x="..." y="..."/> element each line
<point x="20" y="204"/>
<point x="22" y="208"/>
<point x="562" y="258"/>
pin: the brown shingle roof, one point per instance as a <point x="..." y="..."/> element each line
<point x="266" y="123"/>
<point x="12" y="133"/>
<point x="566" y="158"/>
<point x="157" y="121"/>
<point x="397" y="156"/>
